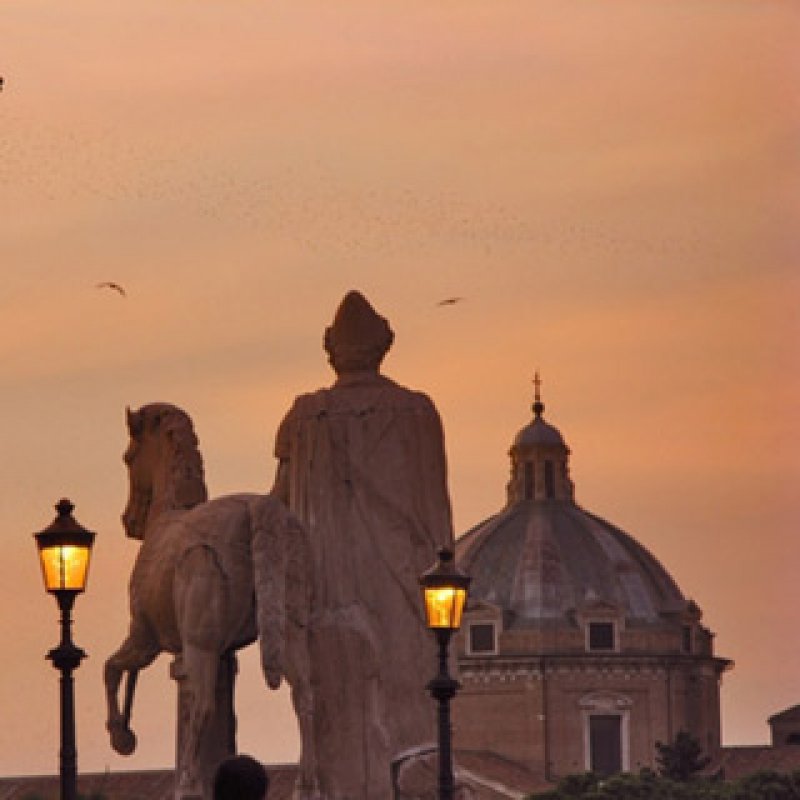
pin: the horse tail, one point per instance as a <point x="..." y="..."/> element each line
<point x="279" y="566"/>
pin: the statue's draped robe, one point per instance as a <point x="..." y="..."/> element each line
<point x="367" y="475"/>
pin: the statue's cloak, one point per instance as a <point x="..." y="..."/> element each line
<point x="367" y="476"/>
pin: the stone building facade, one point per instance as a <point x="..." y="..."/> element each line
<point x="785" y="727"/>
<point x="578" y="651"/>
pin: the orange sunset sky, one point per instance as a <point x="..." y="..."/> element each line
<point x="612" y="187"/>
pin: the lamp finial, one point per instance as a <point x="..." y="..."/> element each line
<point x="64" y="507"/>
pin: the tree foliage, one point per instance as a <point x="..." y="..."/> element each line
<point x="647" y="785"/>
<point x="682" y="759"/>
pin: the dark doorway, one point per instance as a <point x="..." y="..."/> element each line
<point x="605" y="743"/>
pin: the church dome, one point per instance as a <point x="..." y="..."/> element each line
<point x="577" y="651"/>
<point x="539" y="432"/>
<point x="540" y="560"/>
<point x="543" y="559"/>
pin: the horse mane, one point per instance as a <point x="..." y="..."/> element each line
<point x="185" y="486"/>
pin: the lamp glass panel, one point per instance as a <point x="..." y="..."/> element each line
<point x="444" y="605"/>
<point x="65" y="567"/>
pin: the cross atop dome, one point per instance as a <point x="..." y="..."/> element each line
<point x="538" y="405"/>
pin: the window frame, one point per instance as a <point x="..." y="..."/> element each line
<point x="489" y="623"/>
<point x="549" y="479"/>
<point x="614" y="636"/>
<point x="687" y="639"/>
<point x="529" y="480"/>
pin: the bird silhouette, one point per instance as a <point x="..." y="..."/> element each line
<point x="111" y="285"/>
<point x="449" y="301"/>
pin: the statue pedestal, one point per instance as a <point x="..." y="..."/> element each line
<point x="219" y="738"/>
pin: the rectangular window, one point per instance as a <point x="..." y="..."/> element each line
<point x="601" y="636"/>
<point x="529" y="480"/>
<point x="482" y="638"/>
<point x="549" y="480"/>
<point x="605" y="744"/>
<point x="686" y="639"/>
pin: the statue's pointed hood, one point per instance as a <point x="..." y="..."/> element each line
<point x="359" y="337"/>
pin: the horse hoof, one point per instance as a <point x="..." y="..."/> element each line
<point x="123" y="740"/>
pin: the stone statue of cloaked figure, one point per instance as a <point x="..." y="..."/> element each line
<point x="362" y="464"/>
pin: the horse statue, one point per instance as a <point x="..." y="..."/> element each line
<point x="210" y="578"/>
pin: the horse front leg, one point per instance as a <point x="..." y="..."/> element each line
<point x="136" y="652"/>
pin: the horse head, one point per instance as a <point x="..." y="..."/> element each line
<point x="165" y="468"/>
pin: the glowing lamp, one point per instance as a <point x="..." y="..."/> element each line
<point x="64" y="551"/>
<point x="444" y="590"/>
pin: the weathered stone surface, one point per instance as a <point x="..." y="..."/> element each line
<point x="363" y="466"/>
<point x="209" y="578"/>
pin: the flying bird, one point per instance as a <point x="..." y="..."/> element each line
<point x="449" y="301"/>
<point x="111" y="285"/>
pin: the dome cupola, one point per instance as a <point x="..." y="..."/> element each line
<point x="544" y="557"/>
<point x="539" y="460"/>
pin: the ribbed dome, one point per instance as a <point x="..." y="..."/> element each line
<point x="543" y="557"/>
<point x="541" y="560"/>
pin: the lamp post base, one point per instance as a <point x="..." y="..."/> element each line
<point x="66" y="658"/>
<point x="443" y="688"/>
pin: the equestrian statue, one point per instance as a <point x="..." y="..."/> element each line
<point x="211" y="577"/>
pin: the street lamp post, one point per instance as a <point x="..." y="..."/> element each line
<point x="64" y="551"/>
<point x="444" y="591"/>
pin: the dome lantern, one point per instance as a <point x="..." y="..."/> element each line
<point x="539" y="459"/>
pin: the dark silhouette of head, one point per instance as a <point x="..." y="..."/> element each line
<point x="359" y="337"/>
<point x="240" y="778"/>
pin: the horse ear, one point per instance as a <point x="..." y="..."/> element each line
<point x="135" y="420"/>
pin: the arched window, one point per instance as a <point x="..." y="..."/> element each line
<point x="549" y="480"/>
<point x="529" y="476"/>
<point x="686" y="638"/>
